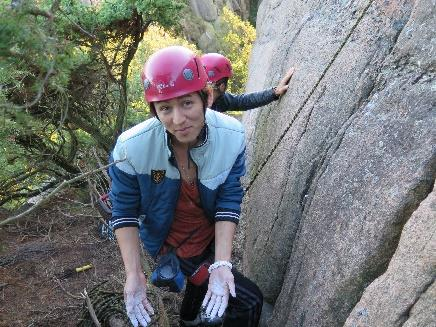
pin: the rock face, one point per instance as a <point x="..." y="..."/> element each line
<point x="202" y="20"/>
<point x="340" y="163"/>
<point x="392" y="299"/>
<point x="208" y="10"/>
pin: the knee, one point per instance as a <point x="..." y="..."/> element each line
<point x="258" y="295"/>
<point x="255" y="296"/>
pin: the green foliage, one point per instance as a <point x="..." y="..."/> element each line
<point x="235" y="40"/>
<point x="63" y="83"/>
<point x="13" y="160"/>
<point x="102" y="16"/>
<point x="20" y="39"/>
<point x="10" y="154"/>
<point x="165" y="12"/>
<point x="69" y="80"/>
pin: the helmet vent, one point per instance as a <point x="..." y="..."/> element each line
<point x="196" y="64"/>
<point x="146" y="84"/>
<point x="188" y="74"/>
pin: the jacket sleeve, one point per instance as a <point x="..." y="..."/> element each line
<point x="246" y="101"/>
<point x="125" y="193"/>
<point x="230" y="193"/>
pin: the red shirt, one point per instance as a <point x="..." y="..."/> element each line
<point x="189" y="217"/>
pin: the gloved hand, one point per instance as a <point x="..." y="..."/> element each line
<point x="135" y="296"/>
<point x="221" y="283"/>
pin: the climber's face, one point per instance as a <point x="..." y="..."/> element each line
<point x="183" y="117"/>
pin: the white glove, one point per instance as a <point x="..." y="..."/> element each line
<point x="137" y="306"/>
<point x="221" y="283"/>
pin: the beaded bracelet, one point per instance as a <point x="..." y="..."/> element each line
<point x="217" y="264"/>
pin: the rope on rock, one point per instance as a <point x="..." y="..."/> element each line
<point x="265" y="161"/>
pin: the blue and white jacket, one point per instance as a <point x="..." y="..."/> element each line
<point x="146" y="185"/>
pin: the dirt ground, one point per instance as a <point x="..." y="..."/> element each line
<point x="38" y="255"/>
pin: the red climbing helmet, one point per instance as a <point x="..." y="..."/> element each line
<point x="172" y="72"/>
<point x="217" y="66"/>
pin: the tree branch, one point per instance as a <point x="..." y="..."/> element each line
<point x="38" y="96"/>
<point x="56" y="190"/>
<point x="92" y="130"/>
<point x="39" y="12"/>
<point x="27" y="195"/>
<point x="90" y="308"/>
<point x="138" y="33"/>
<point x="74" y="144"/>
<point x="79" y="28"/>
<point x="108" y="67"/>
<point x="94" y="151"/>
<point x="36" y="142"/>
<point x="18" y="177"/>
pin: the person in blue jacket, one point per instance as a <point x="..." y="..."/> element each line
<point x="219" y="70"/>
<point x="176" y="188"/>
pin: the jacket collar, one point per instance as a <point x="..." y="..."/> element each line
<point x="202" y="137"/>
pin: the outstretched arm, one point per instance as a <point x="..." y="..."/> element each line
<point x="247" y="101"/>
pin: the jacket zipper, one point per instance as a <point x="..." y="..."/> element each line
<point x="173" y="159"/>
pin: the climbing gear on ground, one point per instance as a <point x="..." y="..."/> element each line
<point x="72" y="271"/>
<point x="104" y="207"/>
<point x="110" y="308"/>
<point x="105" y="231"/>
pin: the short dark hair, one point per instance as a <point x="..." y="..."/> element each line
<point x="203" y="96"/>
<point x="223" y="80"/>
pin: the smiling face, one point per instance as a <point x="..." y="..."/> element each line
<point x="183" y="117"/>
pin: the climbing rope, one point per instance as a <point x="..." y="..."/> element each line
<point x="109" y="307"/>
<point x="106" y="304"/>
<point x="265" y="161"/>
